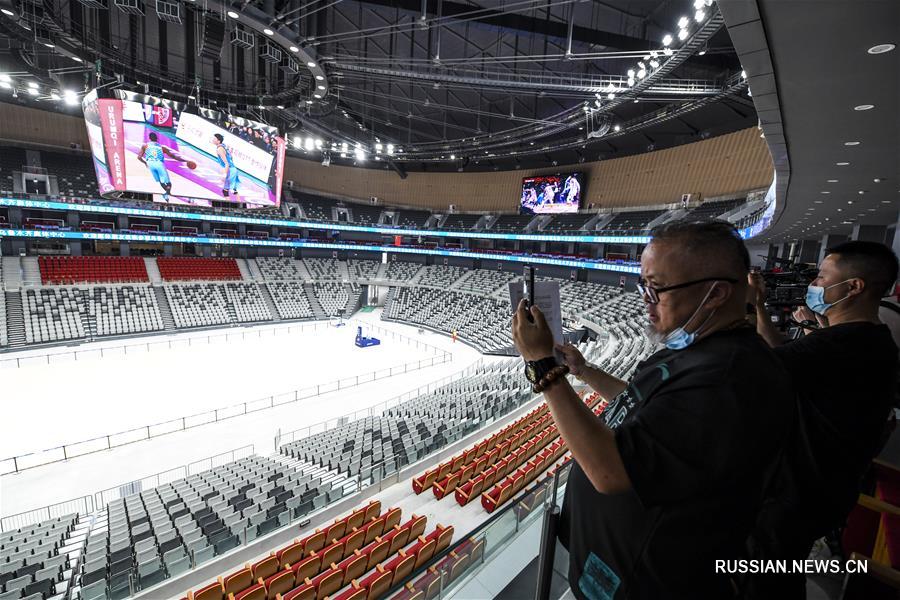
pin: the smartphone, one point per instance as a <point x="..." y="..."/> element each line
<point x="528" y="289"/>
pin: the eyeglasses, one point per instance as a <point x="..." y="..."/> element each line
<point x="652" y="293"/>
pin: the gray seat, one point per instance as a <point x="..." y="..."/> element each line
<point x="12" y="595"/>
<point x="179" y="566"/>
<point x="204" y="554"/>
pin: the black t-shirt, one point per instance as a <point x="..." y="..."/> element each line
<point x="698" y="431"/>
<point x="845" y="377"/>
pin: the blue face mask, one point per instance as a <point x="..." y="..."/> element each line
<point x="815" y="298"/>
<point x="679" y="338"/>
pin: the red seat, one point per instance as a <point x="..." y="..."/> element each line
<point x="307" y="568"/>
<point x="377" y="583"/>
<point x="305" y="591"/>
<point x="255" y="592"/>
<point x="279" y="583"/>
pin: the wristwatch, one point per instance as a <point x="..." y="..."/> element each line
<point x="535" y="370"/>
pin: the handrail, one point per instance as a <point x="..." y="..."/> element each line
<point x="82" y="505"/>
<point x="18" y="463"/>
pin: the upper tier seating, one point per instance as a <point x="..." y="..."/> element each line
<point x="324" y="269"/>
<point x="52" y="315"/>
<point x="32" y="565"/>
<point x="187" y="269"/>
<point x="511" y="223"/>
<point x="280" y="269"/>
<point x="363" y="269"/>
<point x="401" y="271"/>
<point x="123" y="310"/>
<point x="316" y="208"/>
<point x="458" y="222"/>
<point x="74" y="173"/>
<point x="413" y="219"/>
<point x="483" y="281"/>
<point x="290" y="300"/>
<point x="65" y="270"/>
<point x="636" y="220"/>
<point x="365" y="215"/>
<point x="711" y="210"/>
<point x="567" y="223"/>
<point x="442" y="276"/>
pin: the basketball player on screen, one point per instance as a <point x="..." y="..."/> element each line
<point x="571" y="190"/>
<point x="153" y="154"/>
<point x="223" y="153"/>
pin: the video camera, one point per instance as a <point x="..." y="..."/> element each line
<point x="786" y="288"/>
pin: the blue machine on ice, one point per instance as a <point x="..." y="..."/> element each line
<point x="363" y="341"/>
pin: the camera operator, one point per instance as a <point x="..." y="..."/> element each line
<point x="845" y="373"/>
<point x="671" y="478"/>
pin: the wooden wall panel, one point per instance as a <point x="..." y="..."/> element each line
<point x="727" y="164"/>
<point x="24" y="124"/>
<point x="722" y="165"/>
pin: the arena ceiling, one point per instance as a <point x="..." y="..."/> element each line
<point x="827" y="95"/>
<point x="404" y="84"/>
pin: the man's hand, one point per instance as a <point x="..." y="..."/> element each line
<point x="803" y="313"/>
<point x="757" y="287"/>
<point x="573" y="357"/>
<point x="533" y="340"/>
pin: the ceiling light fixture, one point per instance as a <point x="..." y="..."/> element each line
<point x="7" y="12"/>
<point x="683" y="22"/>
<point x="232" y="14"/>
<point x="311" y="65"/>
<point x="851" y="143"/>
<point x="320" y="87"/>
<point x="842" y="164"/>
<point x="268" y="31"/>
<point x="319" y="78"/>
<point x="881" y="48"/>
<point x="864" y="107"/>
<point x="667" y="39"/>
<point x="294" y="49"/>
<point x="699" y="16"/>
<point x="682" y="34"/>
<point x="618" y="128"/>
<point x="832" y="181"/>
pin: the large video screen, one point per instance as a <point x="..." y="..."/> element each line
<point x="551" y="194"/>
<point x="144" y="144"/>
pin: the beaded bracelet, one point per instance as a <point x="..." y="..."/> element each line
<point x="555" y="374"/>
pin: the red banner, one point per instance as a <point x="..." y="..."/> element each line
<point x="398" y="240"/>
<point x="281" y="147"/>
<point x="114" y="140"/>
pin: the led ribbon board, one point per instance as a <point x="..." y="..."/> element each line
<point x="128" y="237"/>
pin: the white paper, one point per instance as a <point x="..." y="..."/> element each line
<point x="546" y="298"/>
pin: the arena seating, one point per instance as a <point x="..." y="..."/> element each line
<point x="280" y="269"/>
<point x="442" y="276"/>
<point x="401" y="271"/>
<point x="484" y="282"/>
<point x="636" y="220"/>
<point x="413" y="219"/>
<point x="246" y="301"/>
<point x="511" y="223"/>
<point x="403" y="434"/>
<point x="152" y="535"/>
<point x="333" y="297"/>
<point x="458" y="222"/>
<point x="123" y="310"/>
<point x="482" y="322"/>
<point x="328" y="269"/>
<point x="74" y="173"/>
<point x="363" y="269"/>
<point x="365" y="215"/>
<point x="66" y="270"/>
<point x="207" y="304"/>
<point x="34" y="560"/>
<point x="360" y="556"/>
<point x="197" y="269"/>
<point x="52" y="315"/>
<point x="315" y="208"/>
<point x="290" y="300"/>
<point x="4" y="339"/>
<point x="567" y="223"/>
<point x="711" y="210"/>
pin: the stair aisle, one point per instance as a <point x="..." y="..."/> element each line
<point x="165" y="311"/>
<point x="270" y="302"/>
<point x="318" y="311"/>
<point x="15" y="319"/>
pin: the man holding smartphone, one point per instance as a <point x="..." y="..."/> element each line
<point x="669" y="481"/>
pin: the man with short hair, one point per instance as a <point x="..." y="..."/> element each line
<point x="669" y="481"/>
<point x="153" y="155"/>
<point x="845" y="374"/>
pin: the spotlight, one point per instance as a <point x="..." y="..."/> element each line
<point x="610" y="96"/>
<point x="309" y="145"/>
<point x="311" y="65"/>
<point x="617" y="128"/>
<point x="630" y="73"/>
<point x="32" y="85"/>
<point x="294" y="49"/>
<point x="390" y="149"/>
<point x="699" y="16"/>
<point x="682" y="34"/>
<point x="268" y="31"/>
<point x="631" y="81"/>
<point x="33" y="91"/>
<point x="683" y="22"/>
<point x="667" y="52"/>
<point x="232" y="14"/>
<point x="667" y="39"/>
<point x="642" y="73"/>
<point x="452" y="157"/>
<point x="654" y="64"/>
<point x="7" y="12"/>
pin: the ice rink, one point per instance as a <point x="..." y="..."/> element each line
<point x="68" y="401"/>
